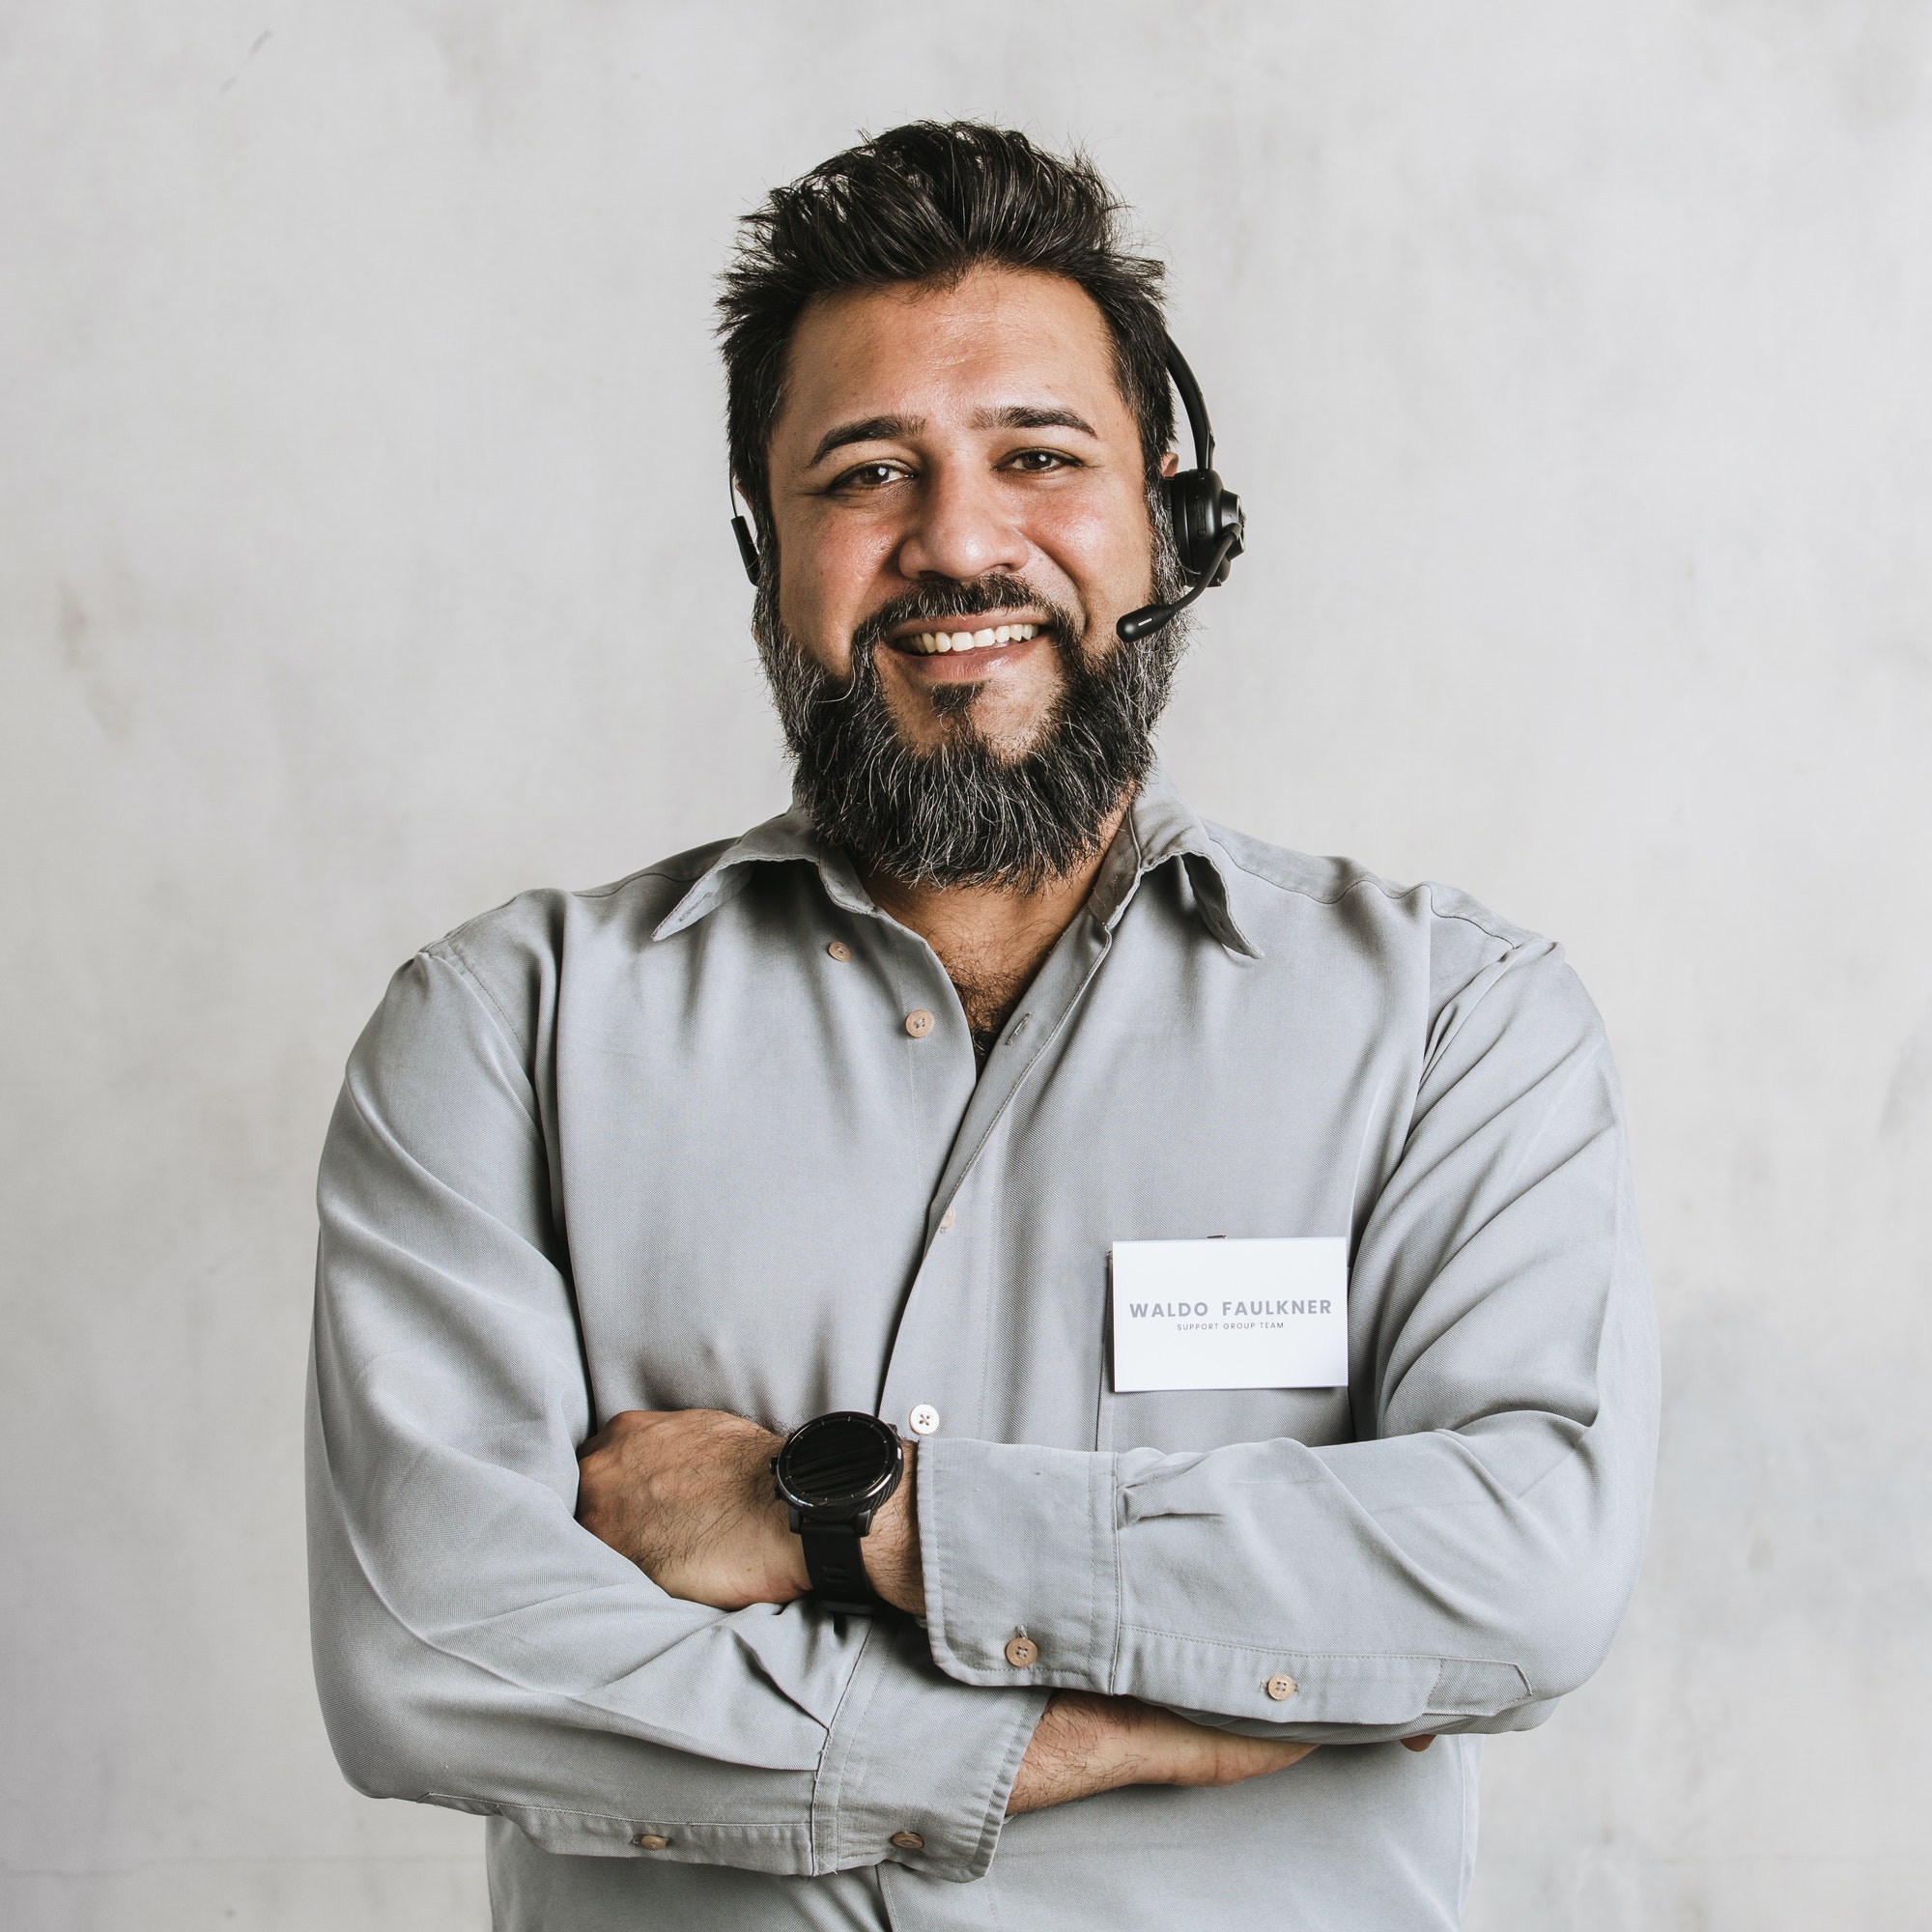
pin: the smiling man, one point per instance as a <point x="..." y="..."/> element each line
<point x="987" y="1353"/>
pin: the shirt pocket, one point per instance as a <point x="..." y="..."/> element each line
<point x="1178" y="1420"/>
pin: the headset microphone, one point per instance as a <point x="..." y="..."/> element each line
<point x="1209" y="527"/>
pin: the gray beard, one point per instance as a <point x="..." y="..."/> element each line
<point x="964" y="814"/>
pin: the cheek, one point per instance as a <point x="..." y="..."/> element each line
<point x="827" y="580"/>
<point x="1102" y="547"/>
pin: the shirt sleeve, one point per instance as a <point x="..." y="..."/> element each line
<point x="1464" y="1562"/>
<point x="475" y="1646"/>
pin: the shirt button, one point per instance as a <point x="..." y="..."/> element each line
<point x="919" y="1023"/>
<point x="946" y="1220"/>
<point x="838" y="949"/>
<point x="1281" y="1688"/>
<point x="924" y="1419"/>
<point x="1022" y="1653"/>
<point x="649" y="1841"/>
<point x="909" y="1841"/>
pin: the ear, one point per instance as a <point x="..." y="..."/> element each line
<point x="1170" y="464"/>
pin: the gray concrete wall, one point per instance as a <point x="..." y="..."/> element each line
<point x="363" y="559"/>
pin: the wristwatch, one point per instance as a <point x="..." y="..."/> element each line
<point x="834" y="1473"/>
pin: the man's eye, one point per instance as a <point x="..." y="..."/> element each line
<point x="1036" y="462"/>
<point x="868" y="476"/>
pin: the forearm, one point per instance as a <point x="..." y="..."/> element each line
<point x="687" y="1497"/>
<point x="893" y="1559"/>
<point x="1464" y="1562"/>
<point x="1286" y="1590"/>
<point x="476" y="1646"/>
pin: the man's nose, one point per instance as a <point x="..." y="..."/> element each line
<point x="961" y="528"/>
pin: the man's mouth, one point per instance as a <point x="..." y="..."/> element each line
<point x="929" y="643"/>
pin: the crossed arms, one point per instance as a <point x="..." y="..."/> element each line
<point x="687" y="1497"/>
<point x="1457" y="1568"/>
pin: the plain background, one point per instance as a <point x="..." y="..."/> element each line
<point x="363" y="559"/>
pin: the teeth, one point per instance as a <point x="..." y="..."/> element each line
<point x="928" y="642"/>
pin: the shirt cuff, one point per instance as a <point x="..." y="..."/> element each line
<point x="917" y="1769"/>
<point x="1018" y="1550"/>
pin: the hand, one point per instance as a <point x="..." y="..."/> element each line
<point x="687" y="1495"/>
<point x="1086" y="1744"/>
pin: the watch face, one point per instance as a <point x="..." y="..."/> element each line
<point x="840" y="1464"/>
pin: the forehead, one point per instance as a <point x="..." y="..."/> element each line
<point x="996" y="336"/>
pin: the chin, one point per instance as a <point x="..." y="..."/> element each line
<point x="960" y="726"/>
<point x="1002" y="721"/>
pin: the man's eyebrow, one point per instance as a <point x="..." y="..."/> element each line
<point x="891" y="429"/>
<point x="867" y="429"/>
<point x="1022" y="415"/>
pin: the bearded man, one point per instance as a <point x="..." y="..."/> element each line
<point x="988" y="1353"/>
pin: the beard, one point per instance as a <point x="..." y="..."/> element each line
<point x="965" y="813"/>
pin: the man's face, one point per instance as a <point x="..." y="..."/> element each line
<point x="934" y="439"/>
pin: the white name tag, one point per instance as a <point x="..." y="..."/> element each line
<point x="1231" y="1315"/>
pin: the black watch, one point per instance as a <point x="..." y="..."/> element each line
<point x="834" y="1472"/>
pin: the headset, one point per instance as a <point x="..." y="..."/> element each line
<point x="1209" y="527"/>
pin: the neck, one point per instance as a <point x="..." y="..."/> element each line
<point x="992" y="939"/>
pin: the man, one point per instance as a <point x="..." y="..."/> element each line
<point x="846" y="1119"/>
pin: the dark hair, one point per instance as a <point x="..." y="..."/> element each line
<point x="926" y="203"/>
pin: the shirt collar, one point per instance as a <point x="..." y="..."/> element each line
<point x="1159" y="827"/>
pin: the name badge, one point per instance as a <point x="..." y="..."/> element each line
<point x="1231" y="1315"/>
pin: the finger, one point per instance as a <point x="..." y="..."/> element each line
<point x="1418" y="1744"/>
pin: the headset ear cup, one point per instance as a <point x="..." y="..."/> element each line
<point x="1203" y="520"/>
<point x="1192" y="498"/>
<point x="1228" y="515"/>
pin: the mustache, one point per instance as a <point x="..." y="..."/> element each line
<point x="964" y="597"/>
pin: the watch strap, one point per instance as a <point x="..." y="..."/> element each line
<point x="836" y="1562"/>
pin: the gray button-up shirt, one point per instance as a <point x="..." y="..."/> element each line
<point x="673" y="1145"/>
